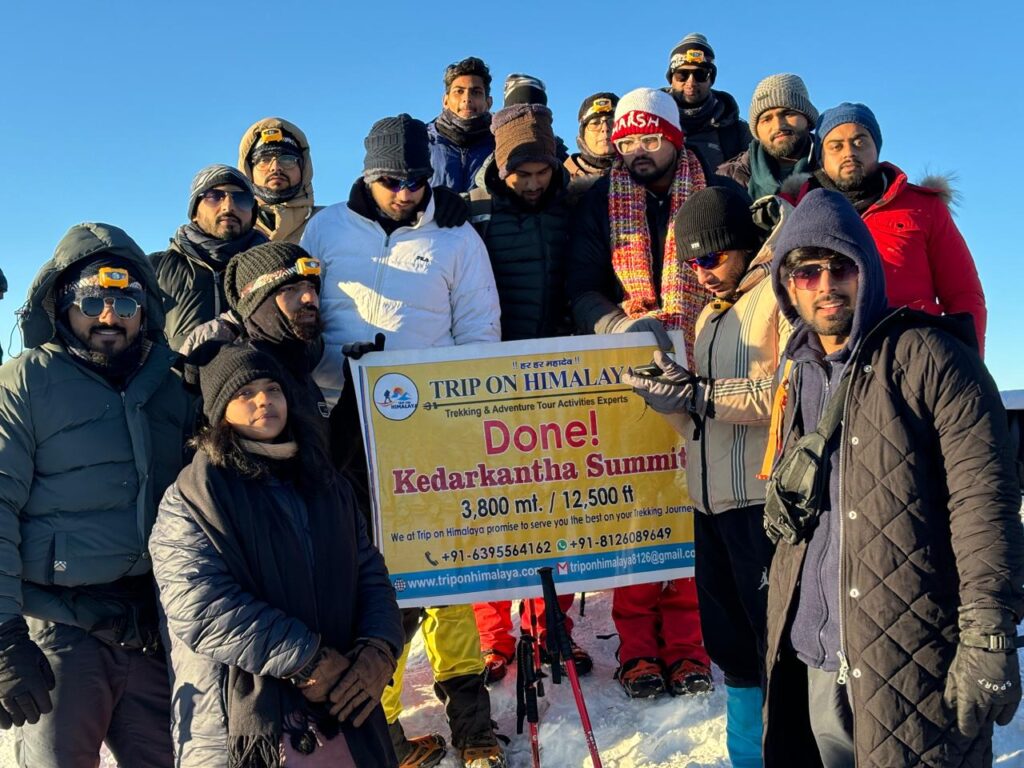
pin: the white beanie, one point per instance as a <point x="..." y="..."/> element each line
<point x="645" y="111"/>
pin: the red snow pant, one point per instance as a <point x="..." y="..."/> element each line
<point x="660" y="621"/>
<point x="494" y="622"/>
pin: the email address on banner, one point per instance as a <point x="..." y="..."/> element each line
<point x="595" y="566"/>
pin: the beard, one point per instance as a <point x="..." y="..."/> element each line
<point x="839" y="324"/>
<point x="789" y="148"/>
<point x="853" y="180"/>
<point x="306" y="325"/>
<point x="651" y="171"/>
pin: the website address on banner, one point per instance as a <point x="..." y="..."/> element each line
<point x="476" y="579"/>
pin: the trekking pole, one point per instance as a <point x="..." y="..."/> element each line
<point x="559" y="648"/>
<point x="526" y="693"/>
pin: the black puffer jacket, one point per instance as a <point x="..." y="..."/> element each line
<point x="528" y="248"/>
<point x="716" y="134"/>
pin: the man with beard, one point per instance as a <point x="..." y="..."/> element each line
<point x="781" y="119"/>
<point x="91" y="433"/>
<point x="895" y="591"/>
<point x="274" y="155"/>
<point x="927" y="263"/>
<point x="709" y="118"/>
<point x="460" y="137"/>
<point x="597" y="153"/>
<point x="222" y="211"/>
<point x="390" y="269"/>
<point x="625" y="275"/>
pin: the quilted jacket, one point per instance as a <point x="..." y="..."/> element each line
<point x="928" y="521"/>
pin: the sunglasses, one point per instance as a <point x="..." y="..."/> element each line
<point x="397" y="185"/>
<point x="650" y="142"/>
<point x="241" y="199"/>
<point x="93" y="306"/>
<point x="808" y="277"/>
<point x="285" y="162"/>
<point x="708" y="260"/>
<point x="701" y="75"/>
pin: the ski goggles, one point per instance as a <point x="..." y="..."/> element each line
<point x="708" y="260"/>
<point x="242" y="199"/>
<point x="397" y="185"/>
<point x="303" y="267"/>
<point x="92" y="307"/>
<point x="649" y="142"/>
<point x="808" y="276"/>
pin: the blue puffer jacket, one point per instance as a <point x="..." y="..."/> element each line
<point x="212" y="623"/>
<point x="456" y="167"/>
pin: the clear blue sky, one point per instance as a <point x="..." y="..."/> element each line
<point x="110" y="107"/>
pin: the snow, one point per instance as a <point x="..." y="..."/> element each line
<point x="660" y="733"/>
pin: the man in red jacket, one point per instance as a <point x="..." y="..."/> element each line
<point x="926" y="261"/>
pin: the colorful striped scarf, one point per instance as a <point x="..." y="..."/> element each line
<point x="682" y="298"/>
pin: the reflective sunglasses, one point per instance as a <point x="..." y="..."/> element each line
<point x="708" y="260"/>
<point x="92" y="307"/>
<point x="701" y="75"/>
<point x="650" y="142"/>
<point x="241" y="199"/>
<point x="808" y="277"/>
<point x="397" y="185"/>
<point x="285" y="162"/>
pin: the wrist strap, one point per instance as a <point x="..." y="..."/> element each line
<point x="974" y="638"/>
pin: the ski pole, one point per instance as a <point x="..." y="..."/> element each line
<point x="526" y="693"/>
<point x="559" y="648"/>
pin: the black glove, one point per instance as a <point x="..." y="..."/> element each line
<point x="450" y="209"/>
<point x="25" y="676"/>
<point x="359" y="690"/>
<point x="983" y="684"/>
<point x="676" y="390"/>
<point x="356" y="349"/>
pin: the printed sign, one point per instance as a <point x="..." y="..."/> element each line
<point x="489" y="461"/>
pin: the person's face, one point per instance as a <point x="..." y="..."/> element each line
<point x="225" y="212"/>
<point x="529" y="181"/>
<point x="107" y="334"/>
<point x="782" y="131"/>
<point x="849" y="155"/>
<point x="825" y="301"/>
<point x="597" y="134"/>
<point x="646" y="166"/>
<point x="258" y="411"/>
<point x="300" y="304"/>
<point x="467" y="97"/>
<point x="685" y="82"/>
<point x="277" y="173"/>
<point x="398" y="205"/>
<point x="721" y="281"/>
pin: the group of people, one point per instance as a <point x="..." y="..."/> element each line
<point x="186" y="572"/>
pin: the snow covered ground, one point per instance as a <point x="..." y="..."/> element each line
<point x="664" y="733"/>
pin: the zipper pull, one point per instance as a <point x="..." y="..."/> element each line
<point x="844" y="668"/>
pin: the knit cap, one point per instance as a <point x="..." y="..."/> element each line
<point x="523" y="134"/>
<point x="692" y="50"/>
<point x="850" y="112"/>
<point x="646" y="111"/>
<point x="256" y="274"/>
<point x="234" y="366"/>
<point x="274" y="142"/>
<point x="591" y="111"/>
<point x="715" y="219"/>
<point x="524" y="89"/>
<point x="783" y="90"/>
<point x="213" y="176"/>
<point x="397" y="147"/>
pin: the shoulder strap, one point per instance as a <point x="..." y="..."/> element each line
<point x="779" y="401"/>
<point x="834" y="412"/>
<point x="480" y="207"/>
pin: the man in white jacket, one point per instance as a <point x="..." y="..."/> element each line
<point x="390" y="269"/>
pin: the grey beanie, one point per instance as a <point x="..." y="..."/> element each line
<point x="783" y="90"/>
<point x="397" y="146"/>
<point x="213" y="176"/>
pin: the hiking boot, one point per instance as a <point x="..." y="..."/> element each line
<point x="584" y="663"/>
<point x="687" y="677"/>
<point x="421" y="752"/>
<point x="641" y="678"/>
<point x="492" y="756"/>
<point x="495" y="666"/>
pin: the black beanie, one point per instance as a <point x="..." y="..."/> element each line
<point x="234" y="366"/>
<point x="587" y="111"/>
<point x="715" y="219"/>
<point x="255" y="274"/>
<point x="397" y="147"/>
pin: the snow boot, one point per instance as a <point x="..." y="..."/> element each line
<point x="584" y="663"/>
<point x="421" y="752"/>
<point x="483" y="755"/>
<point x="641" y="678"/>
<point x="495" y="666"/>
<point x="687" y="677"/>
<point x="743" y="726"/>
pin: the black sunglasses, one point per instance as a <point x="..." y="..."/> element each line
<point x="700" y="75"/>
<point x="397" y="185"/>
<point x="92" y="307"/>
<point x="241" y="199"/>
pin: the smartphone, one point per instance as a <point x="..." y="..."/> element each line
<point x="649" y="371"/>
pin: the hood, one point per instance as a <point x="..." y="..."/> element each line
<point x="827" y="220"/>
<point x="80" y="242"/>
<point x="252" y="134"/>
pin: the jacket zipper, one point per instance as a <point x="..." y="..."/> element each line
<point x="704" y="427"/>
<point x="378" y="282"/>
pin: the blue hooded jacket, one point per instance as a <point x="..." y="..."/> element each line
<point x="825" y="219"/>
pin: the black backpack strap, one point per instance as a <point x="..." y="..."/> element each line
<point x="834" y="411"/>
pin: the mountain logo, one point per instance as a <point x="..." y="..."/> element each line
<point x="395" y="396"/>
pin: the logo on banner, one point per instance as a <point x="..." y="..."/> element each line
<point x="395" y="396"/>
<point x="563" y="569"/>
